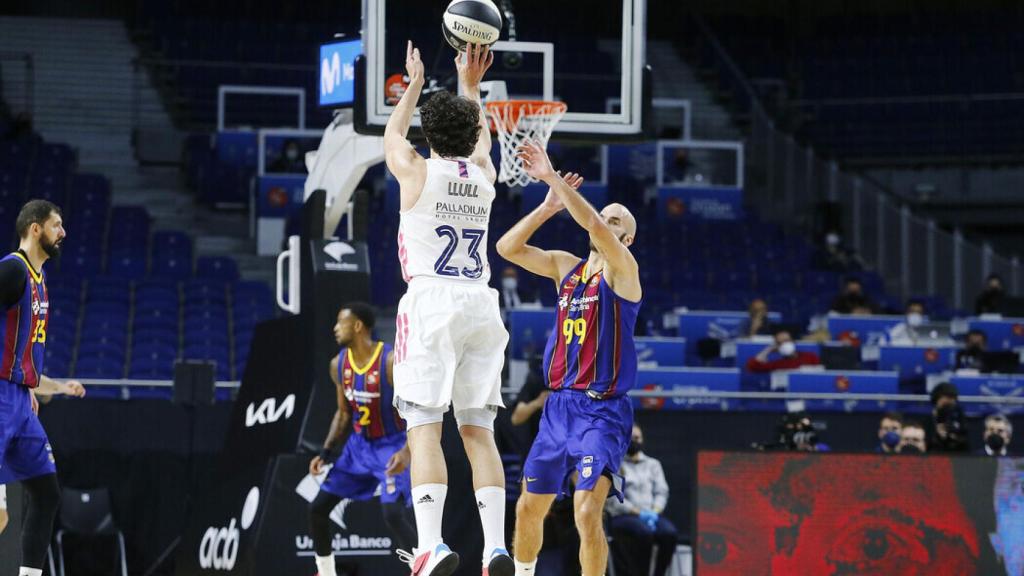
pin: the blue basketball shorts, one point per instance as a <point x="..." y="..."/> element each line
<point x="24" y="448"/>
<point x="580" y="435"/>
<point x="360" y="470"/>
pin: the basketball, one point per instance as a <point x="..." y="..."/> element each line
<point x="471" y="21"/>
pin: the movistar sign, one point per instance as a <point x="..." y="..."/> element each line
<point x="338" y="72"/>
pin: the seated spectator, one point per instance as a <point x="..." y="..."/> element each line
<point x="851" y="297"/>
<point x="291" y="160"/>
<point x="912" y="438"/>
<point x="637" y="522"/>
<point x="791" y="358"/>
<point x="990" y="301"/>
<point x="756" y="323"/>
<point x="889" y="429"/>
<point x="512" y="294"/>
<point x="949" y="427"/>
<point x="972" y="357"/>
<point x="913" y="331"/>
<point x="835" y="256"/>
<point x="998" y="433"/>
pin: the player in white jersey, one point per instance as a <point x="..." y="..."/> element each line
<point x="450" y="345"/>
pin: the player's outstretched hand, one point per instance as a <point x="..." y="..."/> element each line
<point x="316" y="466"/>
<point x="398" y="462"/>
<point x="552" y="202"/>
<point x="535" y="160"/>
<point x="572" y="179"/>
<point x="74" y="388"/>
<point x="413" y="64"/>
<point x="473" y="64"/>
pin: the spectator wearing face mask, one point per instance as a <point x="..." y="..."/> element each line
<point x="998" y="433"/>
<point x="906" y="333"/>
<point x="790" y="358"/>
<point x="756" y="322"/>
<point x="912" y="438"/>
<point x="851" y="297"/>
<point x="889" y="429"/>
<point x="291" y="159"/>
<point x="511" y="295"/>
<point x="972" y="357"/>
<point x="990" y="301"/>
<point x="836" y="257"/>
<point x="637" y="522"/>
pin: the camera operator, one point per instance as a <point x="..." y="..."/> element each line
<point x="795" y="432"/>
<point x="949" y="430"/>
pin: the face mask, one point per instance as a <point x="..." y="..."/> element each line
<point x="914" y="319"/>
<point x="891" y="439"/>
<point x="634" y="447"/>
<point x="910" y="449"/>
<point x="995" y="442"/>
<point x="509" y="283"/>
<point x="832" y="239"/>
<point x="787" y="349"/>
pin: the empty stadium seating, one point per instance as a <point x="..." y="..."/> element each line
<point x="127" y="301"/>
<point x="913" y="77"/>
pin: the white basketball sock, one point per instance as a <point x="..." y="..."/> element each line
<point x="525" y="568"/>
<point x="23" y="571"/>
<point x="428" y="504"/>
<point x="490" y="501"/>
<point x="325" y="566"/>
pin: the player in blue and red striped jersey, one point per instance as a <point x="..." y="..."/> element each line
<point x="25" y="453"/>
<point x="371" y="432"/>
<point x="590" y="363"/>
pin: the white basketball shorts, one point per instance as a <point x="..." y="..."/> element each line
<point x="449" y="347"/>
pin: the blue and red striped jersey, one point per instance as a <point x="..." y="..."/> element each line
<point x="23" y="328"/>
<point x="369" y="395"/>
<point x="592" y="347"/>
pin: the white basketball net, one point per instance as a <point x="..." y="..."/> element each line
<point x="519" y="120"/>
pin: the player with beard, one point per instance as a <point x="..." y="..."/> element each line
<point x="25" y="453"/>
<point x="589" y="364"/>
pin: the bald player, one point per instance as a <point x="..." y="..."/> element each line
<point x="589" y="364"/>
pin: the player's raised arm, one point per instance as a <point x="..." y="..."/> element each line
<point x="472" y="65"/>
<point x="514" y="247"/>
<point x="401" y="157"/>
<point x="616" y="253"/>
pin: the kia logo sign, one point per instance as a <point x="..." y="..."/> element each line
<point x="269" y="411"/>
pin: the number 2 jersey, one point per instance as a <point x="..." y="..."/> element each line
<point x="23" y="329"/>
<point x="591" y="347"/>
<point x="445" y="234"/>
<point x="369" y="394"/>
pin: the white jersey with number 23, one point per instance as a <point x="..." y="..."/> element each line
<point x="444" y="235"/>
